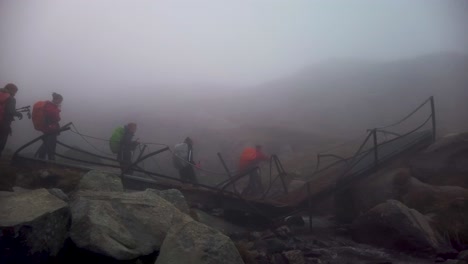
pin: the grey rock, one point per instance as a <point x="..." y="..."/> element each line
<point x="255" y="235"/>
<point x="175" y="197"/>
<point x="197" y="243"/>
<point x="393" y="225"/>
<point x="313" y="261"/>
<point x="294" y="257"/>
<point x="452" y="261"/>
<point x="37" y="218"/>
<point x="100" y="181"/>
<point x="20" y="189"/>
<point x="463" y="255"/>
<point x="278" y="259"/>
<point x="45" y="174"/>
<point x="295" y="221"/>
<point x="272" y="245"/>
<point x="59" y="194"/>
<point x="122" y="225"/>
<point x="283" y="232"/>
<point x="218" y="223"/>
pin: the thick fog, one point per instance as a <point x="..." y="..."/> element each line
<point x="238" y="43"/>
<point x="294" y="75"/>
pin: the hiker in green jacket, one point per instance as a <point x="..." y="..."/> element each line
<point x="127" y="146"/>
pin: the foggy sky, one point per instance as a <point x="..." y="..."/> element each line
<point x="110" y="44"/>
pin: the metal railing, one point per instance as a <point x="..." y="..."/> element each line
<point x="375" y="153"/>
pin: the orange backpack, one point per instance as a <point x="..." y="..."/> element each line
<point x="38" y="116"/>
<point x="3" y="99"/>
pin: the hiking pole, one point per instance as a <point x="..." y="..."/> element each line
<point x="25" y="109"/>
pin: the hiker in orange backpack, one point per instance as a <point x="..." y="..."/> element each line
<point x="249" y="159"/>
<point x="46" y="117"/>
<point x="7" y="112"/>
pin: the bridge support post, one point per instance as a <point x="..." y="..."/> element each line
<point x="227" y="171"/>
<point x="309" y="202"/>
<point x="376" y="153"/>
<point x="433" y="119"/>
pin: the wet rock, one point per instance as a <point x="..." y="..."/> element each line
<point x="448" y="206"/>
<point x="45" y="174"/>
<point x="320" y="243"/>
<point x="271" y="245"/>
<point x="295" y="221"/>
<point x="453" y="261"/>
<point x="262" y="258"/>
<point x="393" y="225"/>
<point x="175" y="197"/>
<point x="65" y="179"/>
<point x="283" y="232"/>
<point x="100" y="181"/>
<point x="196" y="243"/>
<point x="278" y="259"/>
<point x="294" y="257"/>
<point x="463" y="255"/>
<point x="313" y="261"/>
<point x="34" y="224"/>
<point x="267" y="234"/>
<point x="59" y="194"/>
<point x="220" y="224"/>
<point x="20" y="189"/>
<point x="364" y="194"/>
<point x="122" y="225"/>
<point x="255" y="235"/>
<point x="443" y="163"/>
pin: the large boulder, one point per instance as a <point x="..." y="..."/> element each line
<point x="427" y="198"/>
<point x="444" y="163"/>
<point x="100" y="181"/>
<point x="66" y="179"/>
<point x="34" y="223"/>
<point x="364" y="194"/>
<point x="175" y="197"/>
<point x="448" y="206"/>
<point x="394" y="225"/>
<point x="196" y="243"/>
<point x="122" y="225"/>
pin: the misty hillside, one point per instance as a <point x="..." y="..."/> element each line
<point x="296" y="117"/>
<point x="352" y="96"/>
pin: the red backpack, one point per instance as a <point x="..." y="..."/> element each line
<point x="3" y="100"/>
<point x="38" y="116"/>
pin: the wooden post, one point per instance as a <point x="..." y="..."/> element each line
<point x="433" y="119"/>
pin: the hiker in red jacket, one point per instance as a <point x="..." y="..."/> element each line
<point x="250" y="158"/>
<point x="51" y="127"/>
<point x="7" y="112"/>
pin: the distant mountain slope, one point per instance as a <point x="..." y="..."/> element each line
<point x="355" y="96"/>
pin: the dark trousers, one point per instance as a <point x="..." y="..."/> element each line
<point x="47" y="149"/>
<point x="125" y="159"/>
<point x="255" y="184"/>
<point x="187" y="174"/>
<point x="4" y="133"/>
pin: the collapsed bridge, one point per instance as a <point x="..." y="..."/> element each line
<point x="380" y="147"/>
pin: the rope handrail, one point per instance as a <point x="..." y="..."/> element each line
<point x="375" y="130"/>
<point x="85" y="152"/>
<point x="407" y="116"/>
<point x="157" y="144"/>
